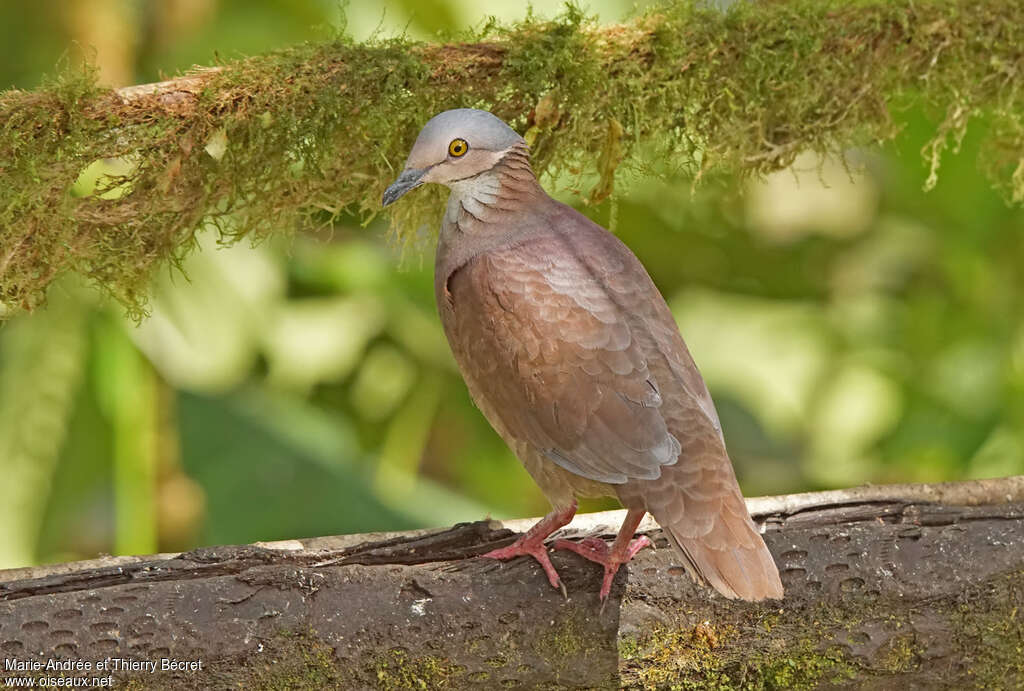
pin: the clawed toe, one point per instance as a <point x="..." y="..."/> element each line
<point x="611" y="558"/>
<point x="532" y="544"/>
<point x="537" y="550"/>
<point x="637" y="545"/>
<point x="592" y="548"/>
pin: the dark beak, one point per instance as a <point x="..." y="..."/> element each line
<point x="409" y="179"/>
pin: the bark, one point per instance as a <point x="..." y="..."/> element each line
<point x="915" y="585"/>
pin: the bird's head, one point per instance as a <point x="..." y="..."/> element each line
<point x="453" y="146"/>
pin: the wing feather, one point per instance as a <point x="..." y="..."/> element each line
<point x="573" y="355"/>
<point x="564" y="369"/>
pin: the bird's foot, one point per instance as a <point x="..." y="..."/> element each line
<point x="531" y="546"/>
<point x="611" y="558"/>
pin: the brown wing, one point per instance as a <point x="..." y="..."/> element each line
<point x="697" y="501"/>
<point x="577" y="353"/>
<point x="543" y="332"/>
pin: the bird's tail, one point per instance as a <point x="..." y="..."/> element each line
<point x="742" y="568"/>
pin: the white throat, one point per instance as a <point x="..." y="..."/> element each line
<point x="472" y="194"/>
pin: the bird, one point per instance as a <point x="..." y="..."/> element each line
<point x="570" y="351"/>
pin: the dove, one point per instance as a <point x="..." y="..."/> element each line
<point x="571" y="353"/>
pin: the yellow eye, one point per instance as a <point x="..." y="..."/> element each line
<point x="458" y="147"/>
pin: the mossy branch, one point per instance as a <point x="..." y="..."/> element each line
<point x="886" y="587"/>
<point x="301" y="136"/>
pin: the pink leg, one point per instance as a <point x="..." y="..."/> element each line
<point x="622" y="550"/>
<point x="532" y="543"/>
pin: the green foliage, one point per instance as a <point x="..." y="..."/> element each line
<point x="41" y="362"/>
<point x="883" y="351"/>
<point x="303" y="384"/>
<point x="126" y="390"/>
<point x="302" y="135"/>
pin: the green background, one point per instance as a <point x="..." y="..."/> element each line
<point x="852" y="328"/>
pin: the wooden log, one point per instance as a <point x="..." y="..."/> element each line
<point x="884" y="586"/>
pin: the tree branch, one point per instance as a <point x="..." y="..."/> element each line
<point x="298" y="137"/>
<point x="882" y="588"/>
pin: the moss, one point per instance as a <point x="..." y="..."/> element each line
<point x="899" y="654"/>
<point x="396" y="669"/>
<point x="291" y="660"/>
<point x="704" y="657"/>
<point x="683" y="658"/>
<point x="629" y="647"/>
<point x="301" y="660"/>
<point x="992" y="629"/>
<point x="805" y="667"/>
<point x="568" y="645"/>
<point x="498" y="661"/>
<point x="567" y="638"/>
<point x="302" y="137"/>
<point x="981" y="634"/>
<point x="296" y="660"/>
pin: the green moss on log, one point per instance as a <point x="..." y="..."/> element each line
<point x="829" y="645"/>
<point x="300" y="137"/>
<point x="397" y="669"/>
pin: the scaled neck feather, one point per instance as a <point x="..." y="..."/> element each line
<point x="496" y="209"/>
<point x="494" y="196"/>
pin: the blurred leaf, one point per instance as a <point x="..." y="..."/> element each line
<point x="399" y="481"/>
<point x="967" y="376"/>
<point x="41" y="363"/>
<point x="398" y="463"/>
<point x="812" y="196"/>
<point x="855" y="407"/>
<point x="341" y="267"/>
<point x="1001" y="455"/>
<point x="275" y="468"/>
<point x="126" y="391"/>
<point x="318" y="339"/>
<point x="763" y="461"/>
<point x="383" y="381"/>
<point x="79" y="520"/>
<point x="769" y="354"/>
<point x="421" y="334"/>
<point x="206" y="326"/>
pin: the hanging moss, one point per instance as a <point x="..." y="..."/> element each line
<point x="298" y="137"/>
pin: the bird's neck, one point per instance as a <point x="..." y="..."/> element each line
<point x="498" y="208"/>
<point x="488" y="200"/>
